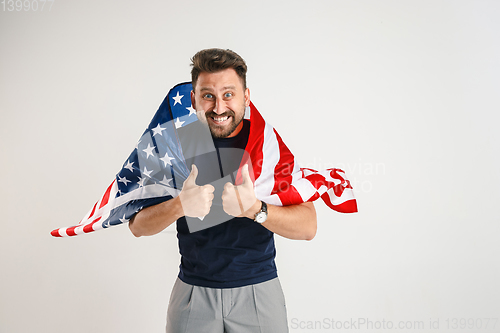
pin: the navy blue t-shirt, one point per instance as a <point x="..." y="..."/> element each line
<point x="236" y="252"/>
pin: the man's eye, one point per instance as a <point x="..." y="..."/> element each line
<point x="207" y="96"/>
<point x="228" y="95"/>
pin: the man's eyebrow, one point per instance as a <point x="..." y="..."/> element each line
<point x="223" y="88"/>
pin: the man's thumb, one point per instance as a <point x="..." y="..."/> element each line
<point x="191" y="179"/>
<point x="245" y="174"/>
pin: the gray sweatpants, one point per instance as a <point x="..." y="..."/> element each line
<point x="258" y="308"/>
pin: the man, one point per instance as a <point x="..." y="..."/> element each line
<point x="228" y="280"/>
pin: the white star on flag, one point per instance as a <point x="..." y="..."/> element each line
<point x="165" y="180"/>
<point x="129" y="166"/>
<point x="166" y="159"/>
<point x="178" y="98"/>
<point x="178" y="123"/>
<point x="149" y="150"/>
<point x="123" y="219"/>
<point x="191" y="110"/>
<point x="147" y="172"/>
<point x="141" y="181"/>
<point x="157" y="130"/>
<point x="123" y="180"/>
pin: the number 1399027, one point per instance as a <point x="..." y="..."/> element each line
<point x="471" y="323"/>
<point x="27" y="5"/>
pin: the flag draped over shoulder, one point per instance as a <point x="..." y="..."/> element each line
<point x="156" y="169"/>
<point x="280" y="181"/>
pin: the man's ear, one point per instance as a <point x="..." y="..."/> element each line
<point x="193" y="105"/>
<point x="247" y="97"/>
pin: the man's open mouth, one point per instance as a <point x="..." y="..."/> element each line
<point x="220" y="120"/>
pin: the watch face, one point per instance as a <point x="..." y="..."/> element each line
<point x="261" y="217"/>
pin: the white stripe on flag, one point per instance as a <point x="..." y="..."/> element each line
<point x="270" y="157"/>
<point x="305" y="188"/>
<point x="145" y="192"/>
<point x="347" y="195"/>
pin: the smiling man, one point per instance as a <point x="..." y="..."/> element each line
<point x="228" y="279"/>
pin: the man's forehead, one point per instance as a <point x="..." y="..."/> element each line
<point x="225" y="79"/>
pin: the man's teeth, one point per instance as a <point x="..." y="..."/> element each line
<point x="220" y="119"/>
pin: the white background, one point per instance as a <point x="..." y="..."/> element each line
<point x="401" y="94"/>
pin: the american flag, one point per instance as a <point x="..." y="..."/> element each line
<point x="156" y="168"/>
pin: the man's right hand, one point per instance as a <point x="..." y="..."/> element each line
<point x="196" y="200"/>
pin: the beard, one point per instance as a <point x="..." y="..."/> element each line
<point x="224" y="131"/>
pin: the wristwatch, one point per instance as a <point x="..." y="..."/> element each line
<point x="261" y="215"/>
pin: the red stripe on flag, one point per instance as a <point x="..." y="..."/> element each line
<point x="71" y="231"/>
<point x="55" y="233"/>
<point x="254" y="145"/>
<point x="105" y="198"/>
<point x="89" y="227"/>
<point x="318" y="180"/>
<point x="93" y="210"/>
<point x="290" y="196"/>
<point x="349" y="206"/>
<point x="284" y="168"/>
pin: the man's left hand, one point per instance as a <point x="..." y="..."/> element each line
<point x="241" y="200"/>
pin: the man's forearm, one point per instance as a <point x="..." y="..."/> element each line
<point x="154" y="219"/>
<point x="294" y="222"/>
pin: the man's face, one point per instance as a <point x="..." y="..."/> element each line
<point x="222" y="99"/>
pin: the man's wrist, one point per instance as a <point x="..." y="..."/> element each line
<point x="261" y="215"/>
<point x="177" y="209"/>
<point x="250" y="213"/>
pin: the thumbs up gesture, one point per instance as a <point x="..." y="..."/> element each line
<point x="239" y="200"/>
<point x="196" y="200"/>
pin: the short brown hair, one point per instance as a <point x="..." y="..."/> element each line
<point x="215" y="60"/>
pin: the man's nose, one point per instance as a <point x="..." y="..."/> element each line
<point x="220" y="106"/>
